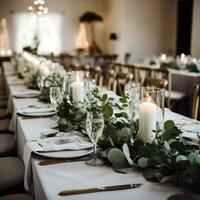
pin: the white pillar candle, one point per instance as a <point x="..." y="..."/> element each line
<point x="46" y="71"/>
<point x="147" y="121"/>
<point x="77" y="90"/>
<point x="183" y="59"/>
<point x="163" y="57"/>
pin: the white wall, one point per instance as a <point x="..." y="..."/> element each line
<point x="144" y="27"/>
<point x="72" y="10"/>
<point x="195" y="46"/>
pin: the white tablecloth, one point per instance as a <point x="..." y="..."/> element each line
<point x="49" y="180"/>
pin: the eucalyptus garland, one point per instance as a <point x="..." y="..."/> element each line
<point x="31" y="78"/>
<point x="190" y="66"/>
<point x="169" y="158"/>
<point x="54" y="80"/>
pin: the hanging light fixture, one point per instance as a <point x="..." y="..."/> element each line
<point x="38" y="7"/>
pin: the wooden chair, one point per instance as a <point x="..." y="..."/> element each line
<point x="122" y="78"/>
<point x="112" y="82"/>
<point x="104" y="59"/>
<point x="196" y="102"/>
<point x="66" y="59"/>
<point x="97" y="75"/>
<point x="155" y="82"/>
<point x="141" y="73"/>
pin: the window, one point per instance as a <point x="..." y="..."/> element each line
<point x="47" y="27"/>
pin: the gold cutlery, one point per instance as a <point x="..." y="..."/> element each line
<point x="99" y="189"/>
<point x="55" y="161"/>
<point x="35" y="117"/>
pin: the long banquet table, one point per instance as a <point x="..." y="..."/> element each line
<point x="49" y="180"/>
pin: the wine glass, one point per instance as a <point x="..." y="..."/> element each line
<point x="94" y="128"/>
<point x="55" y="97"/>
<point x="40" y="82"/>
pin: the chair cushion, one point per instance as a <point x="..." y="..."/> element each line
<point x="16" y="197"/>
<point x="7" y="143"/>
<point x="11" y="172"/>
<point x="3" y="112"/>
<point x="3" y="103"/>
<point x="175" y="95"/>
<point x="4" y="124"/>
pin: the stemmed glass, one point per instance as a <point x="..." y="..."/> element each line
<point x="94" y="128"/>
<point x="55" y="97"/>
<point x="40" y="82"/>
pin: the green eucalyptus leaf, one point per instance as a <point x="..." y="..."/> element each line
<point x="167" y="146"/>
<point x="143" y="162"/>
<point x="111" y="141"/>
<point x="127" y="154"/>
<point x="107" y="111"/>
<point x="104" y="98"/>
<point x="180" y="157"/>
<point x="123" y="100"/>
<point x="117" y="158"/>
<point x="125" y="170"/>
<point x="169" y="124"/>
<point x="138" y="143"/>
<point x="178" y="146"/>
<point x="146" y="151"/>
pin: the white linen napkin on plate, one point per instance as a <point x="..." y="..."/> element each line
<point x="76" y="142"/>
<point x="35" y="110"/>
<point x="65" y="142"/>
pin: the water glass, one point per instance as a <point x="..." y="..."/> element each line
<point x="55" y="97"/>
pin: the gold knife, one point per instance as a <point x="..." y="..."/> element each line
<point x="99" y="189"/>
<point x="54" y="161"/>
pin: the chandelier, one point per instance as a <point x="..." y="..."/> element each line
<point x="38" y="7"/>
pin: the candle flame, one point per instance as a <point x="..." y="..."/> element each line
<point x="182" y="55"/>
<point x="148" y="98"/>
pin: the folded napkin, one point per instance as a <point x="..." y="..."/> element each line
<point x="65" y="142"/>
<point x="76" y="142"/>
<point x="35" y="110"/>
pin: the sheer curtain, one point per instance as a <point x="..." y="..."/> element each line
<point x="48" y="28"/>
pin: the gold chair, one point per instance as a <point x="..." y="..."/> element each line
<point x="196" y="102"/>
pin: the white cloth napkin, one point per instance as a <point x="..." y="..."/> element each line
<point x="76" y="142"/>
<point x="34" y="110"/>
<point x="65" y="142"/>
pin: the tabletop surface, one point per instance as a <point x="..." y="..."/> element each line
<point x="58" y="177"/>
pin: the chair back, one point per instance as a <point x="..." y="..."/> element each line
<point x="196" y="102"/>
<point x="112" y="82"/>
<point x="155" y="82"/>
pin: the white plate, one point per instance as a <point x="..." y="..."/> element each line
<point x="36" y="111"/>
<point x="36" y="114"/>
<point x="66" y="154"/>
<point x="27" y="94"/>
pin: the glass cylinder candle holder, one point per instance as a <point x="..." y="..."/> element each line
<point x="147" y="108"/>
